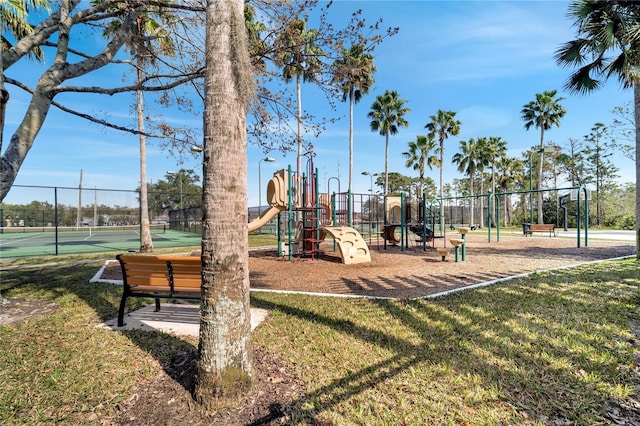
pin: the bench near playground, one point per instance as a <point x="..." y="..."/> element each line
<point x="530" y="228"/>
<point x="159" y="277"/>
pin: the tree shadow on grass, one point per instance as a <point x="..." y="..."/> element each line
<point x="496" y="339"/>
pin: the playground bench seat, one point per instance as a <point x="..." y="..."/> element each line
<point x="530" y="228"/>
<point x="453" y="226"/>
<point x="159" y="277"/>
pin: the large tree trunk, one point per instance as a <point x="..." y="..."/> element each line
<point x="224" y="366"/>
<point x="23" y="138"/>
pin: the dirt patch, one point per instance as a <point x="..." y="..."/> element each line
<point x="166" y="400"/>
<point x="16" y="310"/>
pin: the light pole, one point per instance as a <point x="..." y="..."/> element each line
<point x="371" y="177"/>
<point x="177" y="176"/>
<point x="371" y="206"/>
<point x="268" y="160"/>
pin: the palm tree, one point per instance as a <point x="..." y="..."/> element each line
<point x="387" y="114"/>
<point x="482" y="162"/>
<point x="148" y="37"/>
<point x="543" y="113"/>
<point x="299" y="59"/>
<point x="354" y="74"/>
<point x="496" y="149"/>
<point x="13" y="20"/>
<point x="606" y="45"/>
<point x="419" y="155"/>
<point x="224" y="368"/>
<point x="510" y="171"/>
<point x="441" y="126"/>
<point x="466" y="161"/>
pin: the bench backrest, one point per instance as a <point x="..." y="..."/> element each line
<point x="185" y="271"/>
<point x="541" y="226"/>
<point x="155" y="271"/>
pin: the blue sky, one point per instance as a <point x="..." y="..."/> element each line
<point x="483" y="59"/>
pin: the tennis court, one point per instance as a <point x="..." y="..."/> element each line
<point x="51" y="241"/>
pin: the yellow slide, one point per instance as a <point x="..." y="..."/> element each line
<point x="276" y="197"/>
<point x="351" y="245"/>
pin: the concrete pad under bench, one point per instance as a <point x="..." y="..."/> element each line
<point x="176" y="318"/>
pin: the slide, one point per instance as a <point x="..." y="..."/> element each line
<point x="389" y="234"/>
<point x="276" y="197"/>
<point x="351" y="245"/>
<point x="266" y="216"/>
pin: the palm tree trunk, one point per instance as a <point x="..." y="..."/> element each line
<point x="441" y="209"/>
<point x="386" y="164"/>
<point x="146" y="243"/>
<point x="224" y="368"/>
<point x="351" y="103"/>
<point x="492" y="203"/>
<point x="481" y="221"/>
<point x="299" y="158"/>
<point x="539" y="193"/>
<point x="471" y="201"/>
<point x="507" y="213"/>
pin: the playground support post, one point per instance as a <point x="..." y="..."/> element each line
<point x="384" y="240"/>
<point x="404" y="240"/>
<point x="334" y="218"/>
<point x="289" y="212"/>
<point x="424" y="221"/>
<point x="586" y="216"/>
<point x="278" y="229"/>
<point x="349" y="208"/>
<point x="316" y="212"/>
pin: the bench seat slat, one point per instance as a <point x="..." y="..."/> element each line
<point x="164" y="290"/>
<point x="148" y="281"/>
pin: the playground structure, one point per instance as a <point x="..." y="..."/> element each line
<point x="309" y="220"/>
<point x="355" y="222"/>
<point x="305" y="218"/>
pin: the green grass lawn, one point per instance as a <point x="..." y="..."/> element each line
<point x="551" y="348"/>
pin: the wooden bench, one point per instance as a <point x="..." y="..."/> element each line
<point x="159" y="277"/>
<point x="530" y="228"/>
